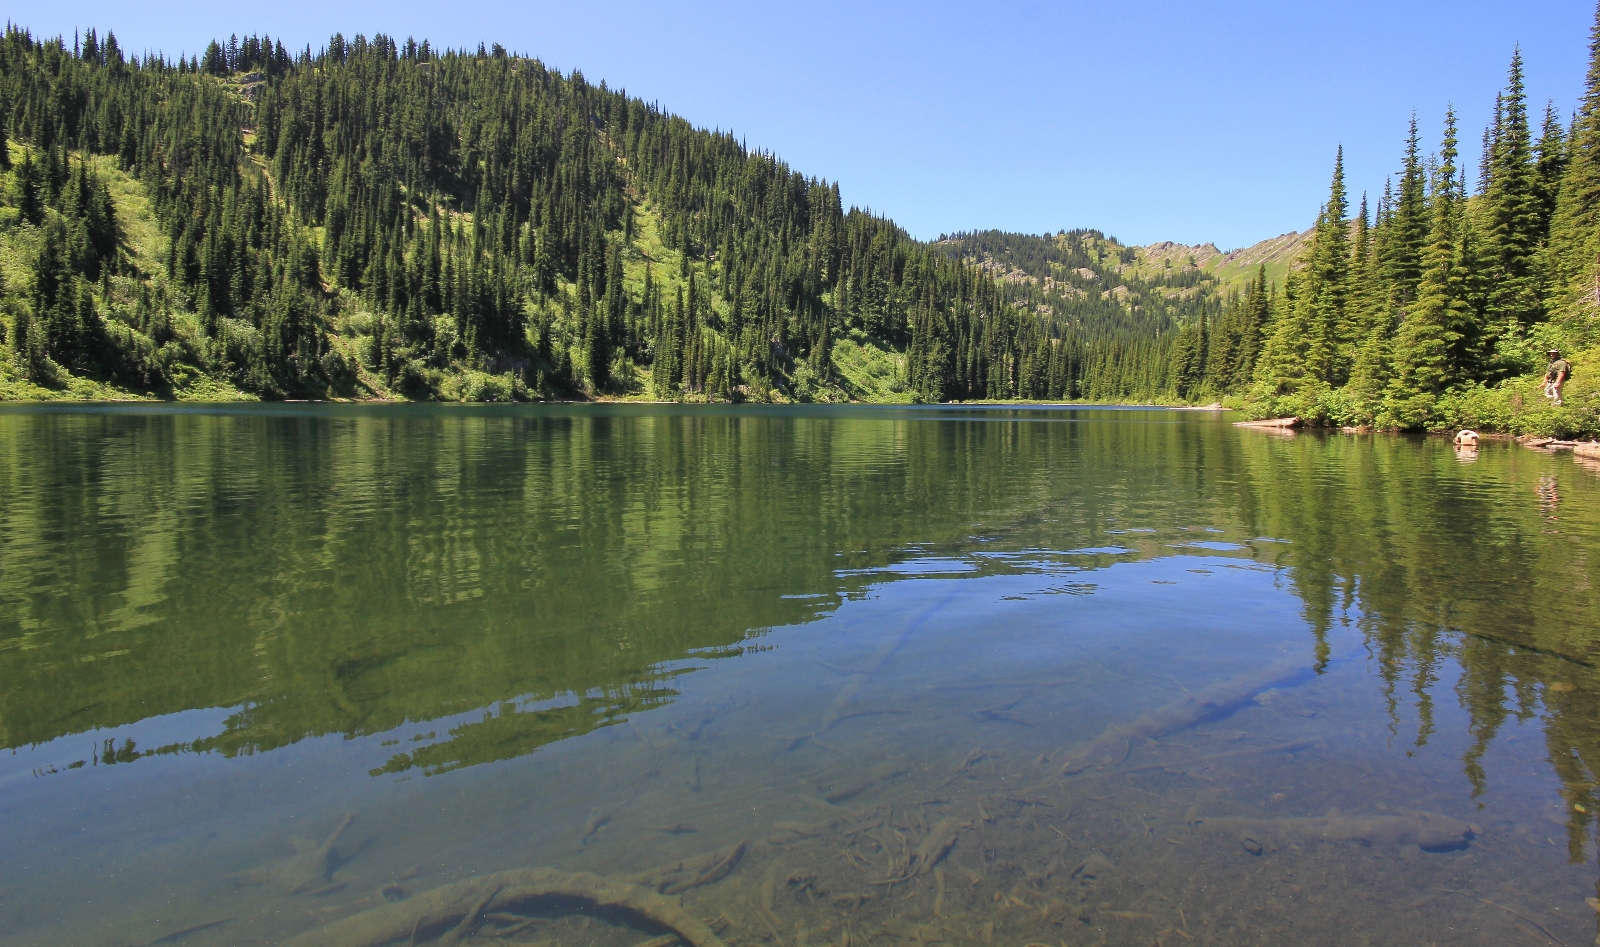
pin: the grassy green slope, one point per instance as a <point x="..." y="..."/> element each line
<point x="1232" y="269"/>
<point x="866" y="371"/>
<point x="143" y="247"/>
<point x="863" y="368"/>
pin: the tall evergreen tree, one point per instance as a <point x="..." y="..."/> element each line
<point x="30" y="187"/>
<point x="1371" y="300"/>
<point x="1189" y="358"/>
<point x="1281" y="378"/>
<point x="1552" y="163"/>
<point x="1510" y="213"/>
<point x="1327" y="286"/>
<point x="1426" y="346"/>
<point x="1257" y="313"/>
<point x="1405" y="232"/>
<point x="1573" y="257"/>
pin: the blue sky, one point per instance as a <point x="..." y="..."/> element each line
<point x="1189" y="121"/>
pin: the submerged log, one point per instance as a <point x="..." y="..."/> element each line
<point x="1270" y="423"/>
<point x="1427" y="830"/>
<point x="447" y="907"/>
<point x="678" y="877"/>
<point x="1193" y="763"/>
<point x="309" y="870"/>
<point x="1218" y="700"/>
<point x="941" y="838"/>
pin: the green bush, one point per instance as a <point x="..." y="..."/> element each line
<point x="1518" y="406"/>
<point x="481" y="386"/>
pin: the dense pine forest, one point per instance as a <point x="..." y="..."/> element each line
<point x="1432" y="306"/>
<point x="1435" y="306"/>
<point x="379" y="219"/>
<point x="1107" y="327"/>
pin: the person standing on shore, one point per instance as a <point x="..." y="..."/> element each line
<point x="1556" y="375"/>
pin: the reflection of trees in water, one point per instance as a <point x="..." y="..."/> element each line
<point x="506" y="731"/>
<point x="354" y="573"/>
<point x="1436" y="562"/>
<point x="348" y="576"/>
<point x="359" y="571"/>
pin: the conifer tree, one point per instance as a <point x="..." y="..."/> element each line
<point x="1552" y="162"/>
<point x="1189" y="358"/>
<point x="1369" y="377"/>
<point x="1366" y="303"/>
<point x="1257" y="314"/>
<point x="1510" y="213"/>
<point x="30" y="200"/>
<point x="1327" y="287"/>
<point x="1425" y="359"/>
<point x="1573" y="257"/>
<point x="1222" y="350"/>
<point x="1281" y="377"/>
<point x="597" y="349"/>
<point x="1372" y="326"/>
<point x="28" y="348"/>
<point x="1405" y="232"/>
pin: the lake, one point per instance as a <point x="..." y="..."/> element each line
<point x="600" y="676"/>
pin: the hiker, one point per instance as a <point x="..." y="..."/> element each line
<point x="1556" y="375"/>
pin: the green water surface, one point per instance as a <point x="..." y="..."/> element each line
<point x="842" y="655"/>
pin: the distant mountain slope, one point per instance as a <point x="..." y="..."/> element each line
<point x="1233" y="268"/>
<point x="1083" y="281"/>
<point x="1190" y="316"/>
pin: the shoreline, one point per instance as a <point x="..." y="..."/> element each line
<point x="1282" y="426"/>
<point x="153" y="402"/>
<point x="1583" y="445"/>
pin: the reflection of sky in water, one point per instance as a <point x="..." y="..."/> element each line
<point x="941" y="654"/>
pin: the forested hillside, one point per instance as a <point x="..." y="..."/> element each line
<point x="379" y="219"/>
<point x="386" y="220"/>
<point x="1435" y="305"/>
<point x="1114" y="323"/>
<point x="1431" y="306"/>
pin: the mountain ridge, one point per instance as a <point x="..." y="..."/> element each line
<point x="1234" y="267"/>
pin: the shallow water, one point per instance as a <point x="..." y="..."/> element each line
<point x="988" y="676"/>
